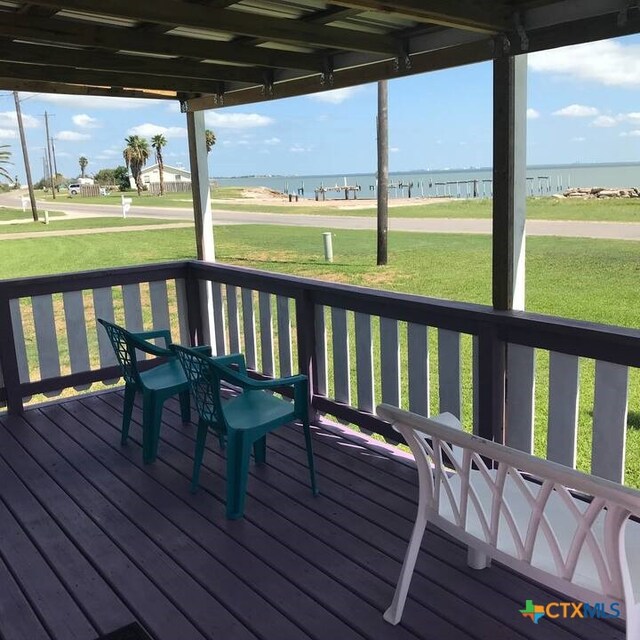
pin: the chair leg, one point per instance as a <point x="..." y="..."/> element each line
<point x="151" y="420"/>
<point x="129" y="397"/>
<point x="185" y="407"/>
<point x="260" y="450"/>
<point x="394" y="613"/>
<point x="238" y="453"/>
<point x="310" y="460"/>
<point x="201" y="439"/>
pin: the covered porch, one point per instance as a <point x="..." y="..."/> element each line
<point x="95" y="540"/>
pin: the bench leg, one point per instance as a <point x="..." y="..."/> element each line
<point x="476" y="559"/>
<point x="394" y="613"/>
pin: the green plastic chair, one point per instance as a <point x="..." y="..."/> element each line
<point x="244" y="419"/>
<point x="156" y="384"/>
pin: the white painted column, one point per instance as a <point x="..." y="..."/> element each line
<point x="201" y="191"/>
<point x="200" y="186"/>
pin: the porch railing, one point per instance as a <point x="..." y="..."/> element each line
<point x="360" y="346"/>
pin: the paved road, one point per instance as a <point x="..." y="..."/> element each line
<point x="574" y="229"/>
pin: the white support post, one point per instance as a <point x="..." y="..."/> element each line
<point x="202" y="214"/>
<point x="200" y="186"/>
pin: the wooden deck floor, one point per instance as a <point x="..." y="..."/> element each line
<point x="91" y="539"/>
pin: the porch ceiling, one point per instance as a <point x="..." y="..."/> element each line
<point x="212" y="53"/>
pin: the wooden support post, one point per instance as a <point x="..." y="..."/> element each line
<point x="509" y="215"/>
<point x="200" y="186"/>
<point x="9" y="361"/>
<point x="383" y="170"/>
<point x="509" y="180"/>
<point x="201" y="191"/>
<point x="306" y="337"/>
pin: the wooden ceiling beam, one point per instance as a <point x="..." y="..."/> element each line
<point x="99" y="61"/>
<point x="107" y="78"/>
<point x="38" y="86"/>
<point x="480" y="16"/>
<point x="85" y="34"/>
<point x="175" y="14"/>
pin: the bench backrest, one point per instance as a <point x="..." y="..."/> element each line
<point x="547" y="517"/>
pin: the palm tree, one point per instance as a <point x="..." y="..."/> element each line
<point x="157" y="142"/>
<point x="210" y="139"/>
<point x="83" y="162"/>
<point x="5" y="154"/>
<point x="135" y="156"/>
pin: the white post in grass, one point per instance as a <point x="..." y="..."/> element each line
<point x="328" y="246"/>
<point x="126" y="205"/>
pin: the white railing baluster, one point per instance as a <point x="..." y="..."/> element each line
<point x="159" y="304"/>
<point x="46" y="338"/>
<point x="364" y="362"/>
<point x="341" y="366"/>
<point x="132" y="307"/>
<point x="284" y="335"/>
<point x="249" y="329"/>
<point x="219" y="319"/>
<point x="449" y="371"/>
<point x="418" y="364"/>
<point x="266" y="333"/>
<point x="562" y="427"/>
<point x="610" y="421"/>
<point x="321" y="351"/>
<point x="520" y="400"/>
<point x="390" y="361"/>
<point x="103" y="306"/>
<point x="19" y="342"/>
<point x="234" y="323"/>
<point x="183" y="311"/>
<point x="76" y="326"/>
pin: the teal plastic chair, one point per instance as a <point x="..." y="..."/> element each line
<point x="244" y="420"/>
<point x="156" y="384"/>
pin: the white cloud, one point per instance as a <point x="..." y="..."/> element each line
<point x="532" y="114"/>
<point x="335" y="96"/>
<point x="272" y="141"/>
<point x="10" y="119"/>
<point x="576" y="111"/>
<point x="85" y="121"/>
<point x="149" y="130"/>
<point x="72" y="136"/>
<point x="578" y="139"/>
<point x="217" y="120"/>
<point x="394" y="149"/>
<point x="633" y="134"/>
<point x="607" y="62"/>
<point x="8" y="134"/>
<point x="94" y="102"/>
<point x="297" y="148"/>
<point x="605" y="122"/>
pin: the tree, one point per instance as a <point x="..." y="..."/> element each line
<point x="105" y="176"/>
<point x="5" y="156"/>
<point x="210" y="139"/>
<point x="135" y="155"/>
<point x="157" y="142"/>
<point x="83" y="162"/>
<point x="121" y="178"/>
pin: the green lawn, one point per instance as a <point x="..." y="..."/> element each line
<point x="81" y="223"/>
<point x="580" y="278"/>
<point x="623" y="210"/>
<point x="7" y="213"/>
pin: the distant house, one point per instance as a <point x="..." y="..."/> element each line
<point x="151" y="175"/>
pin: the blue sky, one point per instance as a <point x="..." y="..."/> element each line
<point x="584" y="106"/>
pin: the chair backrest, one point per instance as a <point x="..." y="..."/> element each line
<point x="542" y="514"/>
<point x="122" y="343"/>
<point x="204" y="382"/>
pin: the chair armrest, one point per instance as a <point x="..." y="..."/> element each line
<point x="232" y="358"/>
<point x="204" y="349"/>
<point x="140" y="341"/>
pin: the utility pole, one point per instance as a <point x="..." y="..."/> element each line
<point x="55" y="163"/>
<point x="383" y="170"/>
<point x="25" y="155"/>
<point x="53" y="178"/>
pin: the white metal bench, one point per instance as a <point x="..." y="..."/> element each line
<point x="563" y="528"/>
